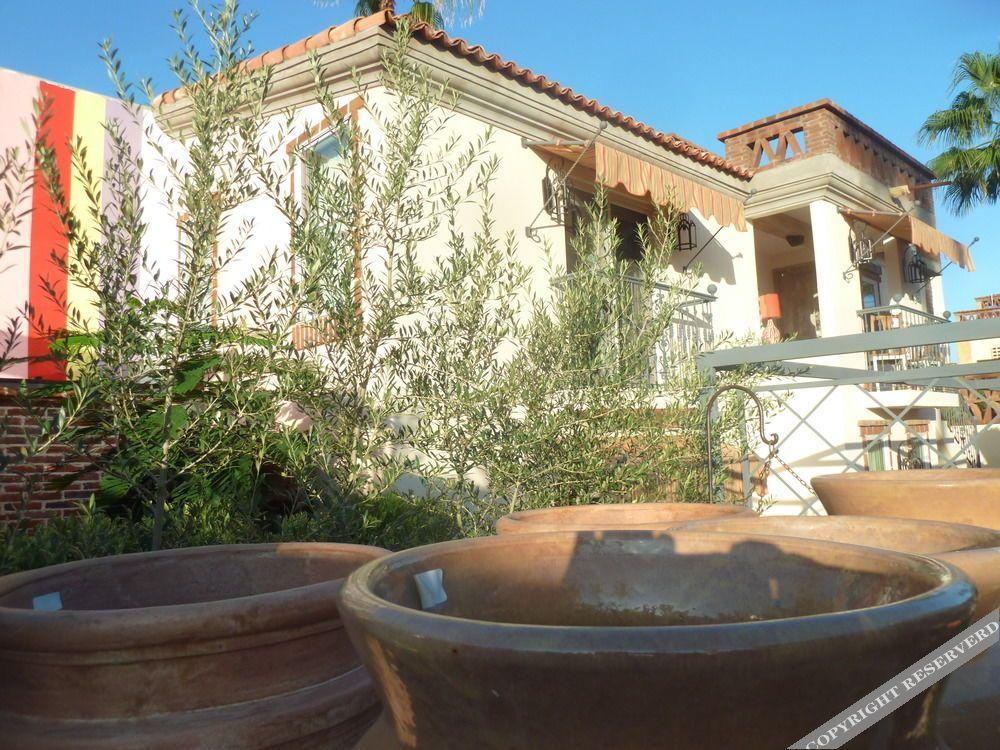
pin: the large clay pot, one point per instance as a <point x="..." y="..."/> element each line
<point x="970" y="705"/>
<point x="236" y="646"/>
<point x="614" y="516"/>
<point x="970" y="496"/>
<point x="632" y="640"/>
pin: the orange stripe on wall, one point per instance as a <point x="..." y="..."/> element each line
<point x="47" y="279"/>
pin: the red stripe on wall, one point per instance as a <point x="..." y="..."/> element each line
<point x="47" y="275"/>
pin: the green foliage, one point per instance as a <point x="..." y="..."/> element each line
<point x="90" y="533"/>
<point x="446" y="380"/>
<point x="970" y="128"/>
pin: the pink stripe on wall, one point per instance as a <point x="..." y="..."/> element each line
<point x="17" y="134"/>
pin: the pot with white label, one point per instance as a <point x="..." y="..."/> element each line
<point x="644" y="639"/>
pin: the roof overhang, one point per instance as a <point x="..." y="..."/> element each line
<point x="921" y="235"/>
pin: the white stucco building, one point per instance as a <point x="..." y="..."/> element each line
<point x="811" y="219"/>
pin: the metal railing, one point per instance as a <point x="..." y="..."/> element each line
<point x="691" y="330"/>
<point x="894" y="318"/>
<point x="833" y="418"/>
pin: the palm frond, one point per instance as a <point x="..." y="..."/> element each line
<point x="980" y="70"/>
<point x="974" y="174"/>
<point x="967" y="121"/>
<point x="427" y="12"/>
<point x="970" y="128"/>
<point x="367" y="7"/>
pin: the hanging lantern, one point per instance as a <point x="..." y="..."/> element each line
<point x="687" y="238"/>
<point x="916" y="270"/>
<point x="555" y="198"/>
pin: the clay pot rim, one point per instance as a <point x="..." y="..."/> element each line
<point x="965" y="478"/>
<point x="953" y="591"/>
<point x="522" y="519"/>
<point x="991" y="537"/>
<point x="150" y="627"/>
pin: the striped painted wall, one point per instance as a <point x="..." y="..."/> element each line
<point x="31" y="267"/>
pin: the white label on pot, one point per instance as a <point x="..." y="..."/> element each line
<point x="47" y="602"/>
<point x="430" y="584"/>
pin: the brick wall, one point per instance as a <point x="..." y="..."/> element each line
<point x="44" y="501"/>
<point x="824" y="128"/>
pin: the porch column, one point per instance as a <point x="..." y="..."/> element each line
<point x="839" y="298"/>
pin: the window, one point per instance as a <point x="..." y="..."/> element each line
<point x="914" y="454"/>
<point x="321" y="144"/>
<point x="324" y="155"/>
<point x="628" y="223"/>
<point x="321" y="148"/>
<point x="876" y="447"/>
<point x="995" y="352"/>
<point x="871" y="282"/>
<point x="877" y="454"/>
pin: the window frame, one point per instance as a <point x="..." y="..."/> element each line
<point x="314" y="333"/>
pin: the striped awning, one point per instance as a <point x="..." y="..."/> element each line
<point x="618" y="170"/>
<point x="921" y="235"/>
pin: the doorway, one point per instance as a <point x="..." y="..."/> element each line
<point x="796" y="287"/>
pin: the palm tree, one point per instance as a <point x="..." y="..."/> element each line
<point x="427" y="12"/>
<point x="971" y="130"/>
<point x="431" y="12"/>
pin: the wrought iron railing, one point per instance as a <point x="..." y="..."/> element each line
<point x="894" y="318"/>
<point x="835" y="418"/>
<point x="691" y="330"/>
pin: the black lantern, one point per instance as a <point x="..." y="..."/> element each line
<point x="555" y="197"/>
<point x="916" y="270"/>
<point x="687" y="238"/>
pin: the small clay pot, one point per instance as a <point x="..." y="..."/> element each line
<point x="649" y="639"/>
<point x="970" y="496"/>
<point x="237" y="646"/>
<point x="615" y="516"/>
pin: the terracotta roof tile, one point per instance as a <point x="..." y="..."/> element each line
<point x="475" y="53"/>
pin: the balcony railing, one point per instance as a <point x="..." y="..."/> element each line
<point x="831" y="417"/>
<point x="691" y="329"/>
<point x="896" y="317"/>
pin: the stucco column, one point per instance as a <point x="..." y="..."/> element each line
<point x="839" y="298"/>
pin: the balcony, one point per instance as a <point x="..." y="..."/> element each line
<point x="691" y="330"/>
<point x="895" y="317"/>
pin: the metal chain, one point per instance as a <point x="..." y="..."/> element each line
<point x="791" y="471"/>
<point x="765" y="470"/>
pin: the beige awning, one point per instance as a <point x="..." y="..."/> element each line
<point x="617" y="169"/>
<point x="620" y="171"/>
<point x="921" y="235"/>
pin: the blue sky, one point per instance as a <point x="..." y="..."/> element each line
<point x="694" y="68"/>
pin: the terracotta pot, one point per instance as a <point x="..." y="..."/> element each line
<point x="970" y="704"/>
<point x="973" y="549"/>
<point x="969" y="496"/>
<point x="225" y="647"/>
<point x="614" y="516"/>
<point x="650" y="639"/>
